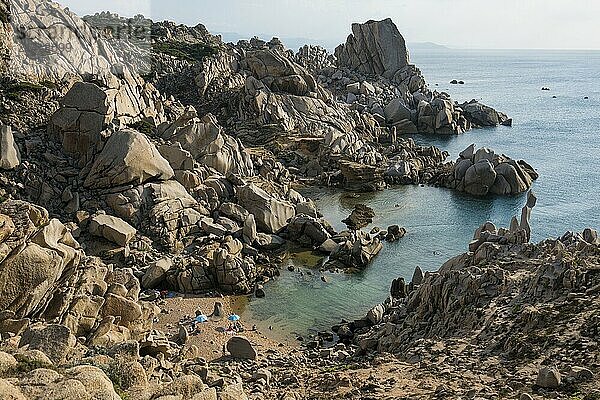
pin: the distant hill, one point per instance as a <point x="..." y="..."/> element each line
<point x="426" y="46"/>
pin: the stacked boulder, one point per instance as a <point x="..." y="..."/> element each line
<point x="207" y="143"/>
<point x="47" y="276"/>
<point x="374" y="48"/>
<point x="484" y="172"/>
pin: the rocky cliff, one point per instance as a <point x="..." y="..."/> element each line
<point x="294" y="104"/>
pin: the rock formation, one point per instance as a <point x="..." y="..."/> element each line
<point x="374" y="48"/>
<point x="484" y="172"/>
<point x="360" y="217"/>
<point x="44" y="25"/>
<point x="269" y="97"/>
<point x="355" y="250"/>
<point x="501" y="300"/>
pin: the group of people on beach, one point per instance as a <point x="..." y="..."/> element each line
<point x="235" y="326"/>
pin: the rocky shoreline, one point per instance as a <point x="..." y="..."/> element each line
<point x="168" y="164"/>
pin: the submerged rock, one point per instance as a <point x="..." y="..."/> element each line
<point x="360" y="217"/>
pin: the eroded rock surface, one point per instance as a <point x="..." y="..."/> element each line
<point x="481" y="172"/>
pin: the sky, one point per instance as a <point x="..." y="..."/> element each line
<point x="484" y="24"/>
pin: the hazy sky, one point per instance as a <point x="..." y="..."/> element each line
<point x="553" y="24"/>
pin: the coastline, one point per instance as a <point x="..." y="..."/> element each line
<point x="132" y="184"/>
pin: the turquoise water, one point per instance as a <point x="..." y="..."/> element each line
<point x="559" y="137"/>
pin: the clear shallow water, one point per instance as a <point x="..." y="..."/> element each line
<point x="559" y="137"/>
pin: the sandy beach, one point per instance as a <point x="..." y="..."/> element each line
<point x="210" y="338"/>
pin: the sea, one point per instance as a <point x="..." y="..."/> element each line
<point x="556" y="131"/>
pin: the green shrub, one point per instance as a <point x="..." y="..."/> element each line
<point x="24" y="87"/>
<point x="193" y="52"/>
<point x="14" y="90"/>
<point x="143" y="126"/>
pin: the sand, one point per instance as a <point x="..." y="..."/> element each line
<point x="210" y="338"/>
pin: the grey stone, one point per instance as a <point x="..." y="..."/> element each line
<point x="240" y="347"/>
<point x="548" y="378"/>
<point x="53" y="340"/>
<point x="111" y="228"/>
<point x="10" y="157"/>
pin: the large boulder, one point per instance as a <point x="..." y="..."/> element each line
<point x="355" y="251"/>
<point x="97" y="384"/>
<point x="482" y="115"/>
<point x="397" y="111"/>
<point x="270" y="214"/>
<point x="206" y="141"/>
<point x="481" y="172"/>
<point x="87" y="110"/>
<point x="156" y="273"/>
<point x="112" y="229"/>
<point x="362" y="177"/>
<point x="79" y="382"/>
<point x="128" y="157"/>
<point x="9" y="152"/>
<point x="53" y="340"/>
<point x="170" y="212"/>
<point x="7" y="363"/>
<point x="307" y="230"/>
<point x="34" y="258"/>
<point x="128" y="310"/>
<point x="360" y="217"/>
<point x="374" y="48"/>
<point x="79" y="122"/>
<point x="511" y="179"/>
<point x="479" y="178"/>
<point x="240" y="347"/>
<point x="9" y="391"/>
<point x="234" y="273"/>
